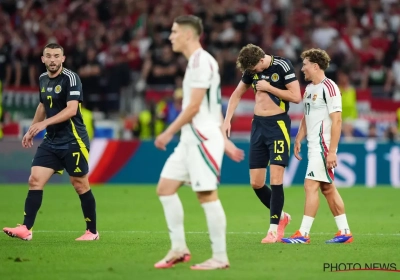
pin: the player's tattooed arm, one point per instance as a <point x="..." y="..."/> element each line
<point x="291" y="94"/>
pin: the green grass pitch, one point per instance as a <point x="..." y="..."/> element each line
<point x="133" y="236"/>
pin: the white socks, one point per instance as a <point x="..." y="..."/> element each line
<point x="341" y="222"/>
<point x="173" y="212"/>
<point x="216" y="222"/>
<point x="306" y="225"/>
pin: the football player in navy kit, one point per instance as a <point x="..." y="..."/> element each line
<point x="275" y="86"/>
<point x="65" y="144"/>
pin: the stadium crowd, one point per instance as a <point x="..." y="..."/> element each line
<point x="120" y="48"/>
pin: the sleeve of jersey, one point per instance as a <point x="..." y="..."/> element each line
<point x="247" y="78"/>
<point x="201" y="73"/>
<point x="74" y="90"/>
<point x="333" y="98"/>
<point x="287" y="71"/>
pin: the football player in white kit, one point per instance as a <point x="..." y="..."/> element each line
<point x="198" y="157"/>
<point x="322" y="123"/>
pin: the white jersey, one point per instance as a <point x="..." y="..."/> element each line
<point x="202" y="72"/>
<point x="319" y="102"/>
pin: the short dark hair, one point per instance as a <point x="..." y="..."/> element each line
<point x="317" y="56"/>
<point x="248" y="57"/>
<point x="53" y="46"/>
<point x="192" y="21"/>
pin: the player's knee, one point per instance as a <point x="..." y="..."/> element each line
<point x="207" y="196"/>
<point x="310" y="186"/>
<point x="277" y="174"/>
<point x="256" y="183"/>
<point x="80" y="185"/>
<point x="327" y="190"/>
<point x="34" y="182"/>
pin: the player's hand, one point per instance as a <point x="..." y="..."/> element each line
<point x="297" y="148"/>
<point x="37" y="127"/>
<point x="27" y="140"/>
<point x="263" y="85"/>
<point x="226" y="128"/>
<point x="331" y="160"/>
<point x="233" y="152"/>
<point x="162" y="140"/>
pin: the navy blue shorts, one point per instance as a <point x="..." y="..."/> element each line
<point x="74" y="159"/>
<point x="270" y="141"/>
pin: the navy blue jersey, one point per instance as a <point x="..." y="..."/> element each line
<point x="54" y="94"/>
<point x="279" y="73"/>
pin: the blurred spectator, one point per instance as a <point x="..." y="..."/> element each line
<point x="377" y="76"/>
<point x="5" y="63"/>
<point x="159" y="71"/>
<point x="349" y="97"/>
<point x="391" y="133"/>
<point x="171" y="109"/>
<point x="148" y="124"/>
<point x="120" y="48"/>
<point x="90" y="74"/>
<point x="348" y="133"/>
<point x="372" y="133"/>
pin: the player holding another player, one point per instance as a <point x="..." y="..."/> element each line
<point x="65" y="145"/>
<point x="275" y="85"/>
<point x="322" y="123"/>
<point x="198" y="157"/>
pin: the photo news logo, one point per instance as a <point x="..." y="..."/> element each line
<point x="342" y="267"/>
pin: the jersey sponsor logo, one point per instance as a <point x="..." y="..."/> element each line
<point x="309" y="96"/>
<point x="275" y="77"/>
<point x="314" y="97"/>
<point x="43" y="90"/>
<point x="49" y="89"/>
<point x="311" y="174"/>
<point x="57" y="89"/>
<point x="75" y="92"/>
<point x="287" y="77"/>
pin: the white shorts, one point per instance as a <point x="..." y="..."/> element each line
<point x="316" y="169"/>
<point x="198" y="165"/>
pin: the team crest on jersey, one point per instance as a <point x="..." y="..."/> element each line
<point x="314" y="97"/>
<point x="275" y="77"/>
<point x="57" y="89"/>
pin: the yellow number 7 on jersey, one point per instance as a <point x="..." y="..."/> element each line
<point x="78" y="155"/>
<point x="51" y="100"/>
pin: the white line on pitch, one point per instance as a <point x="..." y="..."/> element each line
<point x="204" y="232"/>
